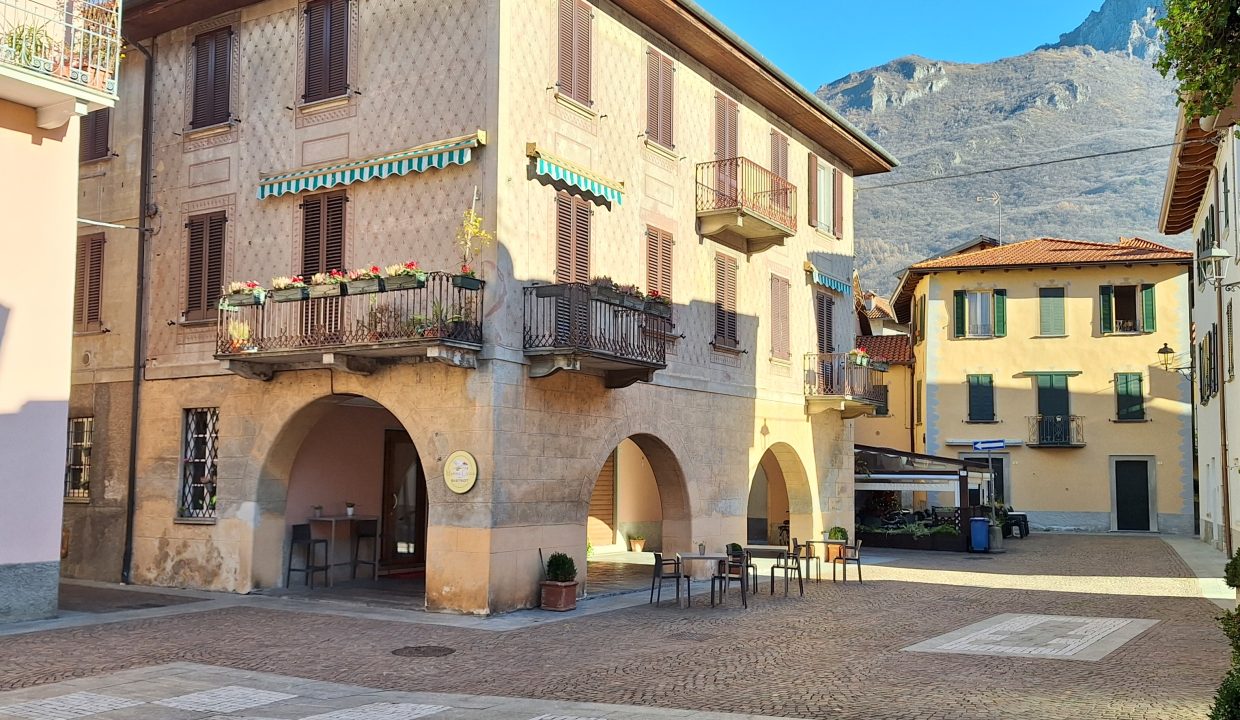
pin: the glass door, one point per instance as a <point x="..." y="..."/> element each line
<point x="404" y="504"/>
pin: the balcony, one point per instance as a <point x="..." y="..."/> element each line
<point x="1049" y="431"/>
<point x="574" y="326"/>
<point x="744" y="205"/>
<point x="835" y="382"/>
<point x="355" y="332"/>
<point x="58" y="56"/>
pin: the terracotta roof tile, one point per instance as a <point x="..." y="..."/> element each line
<point x="1057" y="251"/>
<point x="892" y="348"/>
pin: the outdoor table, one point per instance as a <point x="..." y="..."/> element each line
<point x="348" y="520"/>
<point x="685" y="558"/>
<point x="773" y="552"/>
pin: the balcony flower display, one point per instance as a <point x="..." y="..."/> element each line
<point x="631" y="297"/>
<point x="365" y="280"/>
<point x="288" y="289"/>
<point x="239" y="337"/>
<point x="658" y="304"/>
<point x="471" y="239"/>
<point x="243" y="292"/>
<point x="859" y="356"/>
<point x="328" y="284"/>
<point x="404" y="276"/>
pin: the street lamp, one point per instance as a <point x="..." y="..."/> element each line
<point x="1212" y="268"/>
<point x="1167" y="357"/>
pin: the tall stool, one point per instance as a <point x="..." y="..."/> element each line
<point x="302" y="536"/>
<point x="366" y="530"/>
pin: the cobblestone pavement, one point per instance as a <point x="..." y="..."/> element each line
<point x="836" y="653"/>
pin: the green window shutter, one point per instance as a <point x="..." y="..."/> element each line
<point x="921" y="319"/>
<point x="1106" y="307"/>
<point x="1051" y="318"/>
<point x="1000" y="313"/>
<point x="1129" y="398"/>
<point x="1148" y="323"/>
<point x="981" y="398"/>
<point x="959" y="320"/>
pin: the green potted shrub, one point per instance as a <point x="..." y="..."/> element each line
<point x="834" y="550"/>
<point x="559" y="590"/>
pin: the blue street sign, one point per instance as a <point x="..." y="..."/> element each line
<point x="981" y="445"/>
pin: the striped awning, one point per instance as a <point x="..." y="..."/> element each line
<point x="827" y="281"/>
<point x="557" y="168"/>
<point x="439" y="154"/>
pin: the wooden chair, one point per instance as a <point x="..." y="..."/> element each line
<point x="789" y="564"/>
<point x="849" y="554"/>
<point x="301" y="535"/>
<point x="664" y="570"/>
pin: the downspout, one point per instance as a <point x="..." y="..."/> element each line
<point x="1222" y="422"/>
<point x="139" y="320"/>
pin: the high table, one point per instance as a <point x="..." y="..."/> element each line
<point x="686" y="558"/>
<point x="348" y="521"/>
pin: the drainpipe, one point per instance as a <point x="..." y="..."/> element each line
<point x="139" y="320"/>
<point x="1222" y="422"/>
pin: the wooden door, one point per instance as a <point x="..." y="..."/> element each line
<point x="1132" y="495"/>
<point x="404" y="504"/>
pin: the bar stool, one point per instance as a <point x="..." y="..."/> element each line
<point x="366" y="530"/>
<point x="301" y="535"/>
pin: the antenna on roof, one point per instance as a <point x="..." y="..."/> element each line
<point x="997" y="201"/>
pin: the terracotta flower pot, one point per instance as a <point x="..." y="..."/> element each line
<point x="559" y="596"/>
<point x="637" y="545"/>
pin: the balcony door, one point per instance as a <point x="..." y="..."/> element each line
<point x="1054" y="425"/>
<point x="727" y="127"/>
<point x="824" y="322"/>
<point x="572" y="265"/>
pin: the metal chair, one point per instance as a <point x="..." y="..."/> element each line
<point x="301" y="535"/>
<point x="849" y="554"/>
<point x="813" y="561"/>
<point x="665" y="570"/>
<point x="366" y="530"/>
<point x="734" y="568"/>
<point x="789" y="564"/>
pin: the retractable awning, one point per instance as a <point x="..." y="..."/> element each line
<point x="821" y="278"/>
<point x="438" y="154"/>
<point x="567" y="172"/>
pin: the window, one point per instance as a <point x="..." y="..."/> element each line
<point x="1053" y="424"/>
<point x="727" y="130"/>
<point x="1226" y="199"/>
<point x="883" y="410"/>
<point x="824" y="321"/>
<point x="199" y="450"/>
<point x="572" y="239"/>
<point x="981" y="398"/>
<point x="660" y="73"/>
<point x="327" y="49"/>
<point x="205" y="265"/>
<point x="980" y="313"/>
<point x="919" y="319"/>
<point x="917" y="404"/>
<point x="1231" y="346"/>
<point x="779" y="164"/>
<point x="77" y="466"/>
<point x="780" y="343"/>
<point x="1051" y="317"/>
<point x="575" y="20"/>
<point x="1127" y="308"/>
<point x="212" y="70"/>
<point x="725" y="302"/>
<point x="88" y="284"/>
<point x="659" y="261"/>
<point x="1129" y="398"/>
<point x="93" y="140"/>
<point x="826" y="199"/>
<point x="322" y="233"/>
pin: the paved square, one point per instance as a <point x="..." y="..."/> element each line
<point x="225" y="699"/>
<point x="382" y="711"/>
<point x="64" y="707"/>
<point x="1059" y="637"/>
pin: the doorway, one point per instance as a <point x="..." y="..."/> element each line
<point x="1133" y="489"/>
<point x="999" y="463"/>
<point x="404" y="505"/>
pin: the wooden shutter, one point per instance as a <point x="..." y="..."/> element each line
<point x="88" y="289"/>
<point x="837" y="203"/>
<point x="779" y="154"/>
<point x="205" y="265"/>
<point x="824" y="322"/>
<point x="981" y="398"/>
<point x="1129" y="397"/>
<point x="959" y="325"/>
<point x="1050" y="312"/>
<point x="1106" y="307"/>
<point x="93" y="141"/>
<point x="572" y="239"/>
<point x="812" y="186"/>
<point x="725" y="301"/>
<point x="327" y="43"/>
<point x="727" y="122"/>
<point x="212" y="58"/>
<point x="667" y="100"/>
<point x="780" y="342"/>
<point x="322" y="233"/>
<point x="921" y="318"/>
<point x="659" y="261"/>
<point x="1148" y="313"/>
<point x="574" y="49"/>
<point x="1000" y="312"/>
<point x="568" y="9"/>
<point x="659" y="97"/>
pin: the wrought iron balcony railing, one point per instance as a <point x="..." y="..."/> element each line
<point x="840" y="375"/>
<point x="1056" y="431"/>
<point x="77" y="41"/>
<point x="580" y="318"/>
<point x="742" y="185"/>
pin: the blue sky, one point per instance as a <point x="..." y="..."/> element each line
<point x="817" y="41"/>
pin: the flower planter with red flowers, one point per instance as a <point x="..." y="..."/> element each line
<point x="466" y="282"/>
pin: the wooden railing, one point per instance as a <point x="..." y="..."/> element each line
<point x="574" y="316"/>
<point x="439" y="310"/>
<point x="1056" y="430"/>
<point x="78" y="42"/>
<point x="741" y="184"/>
<point x="839" y="375"/>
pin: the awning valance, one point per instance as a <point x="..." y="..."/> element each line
<point x="558" y="168"/>
<point x="439" y="154"/>
<point x="821" y="278"/>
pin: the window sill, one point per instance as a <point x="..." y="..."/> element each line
<point x="77" y="501"/>
<point x="1040" y="337"/>
<point x="194" y="521"/>
<point x="92" y="161"/>
<point x="976" y="337"/>
<point x="576" y="106"/>
<point x="1127" y="422"/>
<point x="661" y="150"/>
<point x="826" y="234"/>
<point x="324" y="104"/>
<point x="209" y="130"/>
<point x="88" y="332"/>
<point x="982" y="422"/>
<point x="722" y="346"/>
<point x="205" y="322"/>
<point x="781" y="361"/>
<point x="1124" y="333"/>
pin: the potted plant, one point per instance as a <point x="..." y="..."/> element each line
<point x="631" y="297"/>
<point x="833" y="550"/>
<point x="436" y="322"/>
<point x="404" y="276"/>
<point x="288" y="289"/>
<point x="637" y="543"/>
<point x="659" y="304"/>
<point x="239" y="336"/>
<point x="28" y="45"/>
<point x="244" y="292"/>
<point x="349" y="508"/>
<point x="365" y="280"/>
<point x="327" y="284"/>
<point x="604" y="288"/>
<point x="471" y="238"/>
<point x="859" y="356"/>
<point x="559" y="590"/>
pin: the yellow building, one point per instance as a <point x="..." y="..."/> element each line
<point x="1051" y="345"/>
<point x="641" y="141"/>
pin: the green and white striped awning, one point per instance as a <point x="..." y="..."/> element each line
<point x="440" y="154"/>
<point x="556" y="168"/>
<point x="827" y="281"/>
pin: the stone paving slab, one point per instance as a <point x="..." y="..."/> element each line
<point x="1053" y="637"/>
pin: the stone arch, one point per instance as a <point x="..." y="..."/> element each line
<point x="669" y="476"/>
<point x="781" y="462"/>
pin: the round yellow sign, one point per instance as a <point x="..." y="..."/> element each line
<point x="460" y="472"/>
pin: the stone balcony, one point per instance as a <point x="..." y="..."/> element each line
<point x="837" y="382"/>
<point x="744" y="205"/>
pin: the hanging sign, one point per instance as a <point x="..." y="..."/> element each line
<point x="460" y="472"/>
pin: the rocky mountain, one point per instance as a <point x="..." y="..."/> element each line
<point x="1092" y="92"/>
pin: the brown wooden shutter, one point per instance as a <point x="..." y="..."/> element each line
<point x="824" y="320"/>
<point x="727" y="122"/>
<point x="779" y="154"/>
<point x="214" y="276"/>
<point x="582" y="52"/>
<point x="212" y="58"/>
<point x="667" y="100"/>
<point x="659" y="261"/>
<point x="327" y="59"/>
<point x="338" y="48"/>
<point x="725" y="301"/>
<point x="572" y="239"/>
<point x="333" y="230"/>
<point x="312" y="236"/>
<point x="93" y="143"/>
<point x="812" y="186"/>
<point x="780" y="341"/>
<point x="665" y="264"/>
<point x="659" y="100"/>
<point x="837" y="187"/>
<point x="80" y="284"/>
<point x="88" y="286"/>
<point x="581" y="240"/>
<point x="567" y="24"/>
<point x="205" y="265"/>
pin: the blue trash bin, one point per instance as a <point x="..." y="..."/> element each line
<point x="979" y="534"/>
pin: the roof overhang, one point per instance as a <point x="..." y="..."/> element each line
<point x="1192" y="160"/>
<point x="708" y="41"/>
<point x="144" y="19"/>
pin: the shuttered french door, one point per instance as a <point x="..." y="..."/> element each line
<point x="322" y="250"/>
<point x="727" y="125"/>
<point x="824" y="322"/>
<point x="204" y="265"/>
<point x="572" y="265"/>
<point x="212" y="76"/>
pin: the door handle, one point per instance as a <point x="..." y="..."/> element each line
<point x="395" y="501"/>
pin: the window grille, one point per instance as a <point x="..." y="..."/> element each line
<point x="199" y="450"/>
<point x="77" y="466"/>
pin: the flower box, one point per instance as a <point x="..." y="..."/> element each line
<point x="466" y="282"/>
<point x="239" y="299"/>
<point x="633" y="302"/>
<point x="364" y="287"/>
<point x="403" y="282"/>
<point x="659" y="309"/>
<point x="606" y="294"/>
<point x="292" y="294"/>
<point x="549" y="291"/>
<point x="328" y="290"/>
